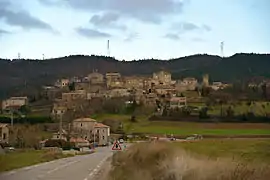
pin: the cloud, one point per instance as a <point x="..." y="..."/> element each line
<point x="172" y="36"/>
<point x="131" y="37"/>
<point x="107" y="20"/>
<point x="144" y="10"/>
<point x="3" y="32"/>
<point x="197" y="39"/>
<point x="206" y="27"/>
<point x="183" y="27"/>
<point x="91" y="33"/>
<point x="21" y="18"/>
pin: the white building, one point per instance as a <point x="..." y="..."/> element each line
<point x="14" y="102"/>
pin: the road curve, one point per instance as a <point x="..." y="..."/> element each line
<point x="84" y="167"/>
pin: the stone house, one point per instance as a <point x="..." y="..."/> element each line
<point x="96" y="78"/>
<point x="114" y="80"/>
<point x="133" y="82"/>
<point x="162" y="77"/>
<point x="61" y="83"/>
<point x="4" y="133"/>
<point x="78" y="94"/>
<point x="14" y="102"/>
<point x="118" y="92"/>
<point x="90" y="130"/>
<point x="164" y="89"/>
<point x="82" y="85"/>
<point x="51" y="92"/>
<point x="190" y="83"/>
<point x="103" y="133"/>
<point x="58" y="111"/>
<point x="178" y="102"/>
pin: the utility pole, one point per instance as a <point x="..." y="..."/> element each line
<point x="222" y="48"/>
<point x="19" y="56"/>
<point x="11" y="118"/>
<point x="108" y="48"/>
<point x="94" y="134"/>
<point x="60" y="126"/>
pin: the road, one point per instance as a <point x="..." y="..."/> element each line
<point x="83" y="167"/>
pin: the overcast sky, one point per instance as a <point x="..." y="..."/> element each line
<point x="136" y="28"/>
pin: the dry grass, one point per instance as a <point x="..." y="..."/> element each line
<point x="161" y="161"/>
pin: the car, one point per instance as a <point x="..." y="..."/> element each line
<point x="121" y="141"/>
<point x="194" y="137"/>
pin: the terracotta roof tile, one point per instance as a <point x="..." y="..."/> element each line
<point x="100" y="125"/>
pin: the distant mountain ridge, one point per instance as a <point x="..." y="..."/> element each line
<point x="242" y="66"/>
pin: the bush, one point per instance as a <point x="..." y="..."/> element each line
<point x="59" y="143"/>
<point x="26" y="120"/>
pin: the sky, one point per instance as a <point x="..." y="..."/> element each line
<point x="136" y="29"/>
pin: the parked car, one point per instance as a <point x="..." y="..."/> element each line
<point x="194" y="137"/>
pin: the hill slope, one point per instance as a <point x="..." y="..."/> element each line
<point x="36" y="72"/>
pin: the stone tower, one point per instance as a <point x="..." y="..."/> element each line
<point x="205" y="80"/>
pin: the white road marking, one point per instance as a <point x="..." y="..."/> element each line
<point x="61" y="167"/>
<point x="95" y="171"/>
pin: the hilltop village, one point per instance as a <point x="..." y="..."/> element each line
<point x="144" y="90"/>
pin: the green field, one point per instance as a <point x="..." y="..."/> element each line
<point x="259" y="108"/>
<point x="244" y="149"/>
<point x="188" y="128"/>
<point x="16" y="160"/>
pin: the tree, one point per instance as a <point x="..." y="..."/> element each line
<point x="230" y="112"/>
<point x="71" y="86"/>
<point x="24" y="109"/>
<point x="203" y="113"/>
<point x="133" y="118"/>
<point x="205" y="91"/>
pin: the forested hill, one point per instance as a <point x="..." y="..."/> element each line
<point x="36" y="72"/>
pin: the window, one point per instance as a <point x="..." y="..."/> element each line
<point x="81" y="124"/>
<point x="98" y="131"/>
<point x="103" y="137"/>
<point x="4" y="136"/>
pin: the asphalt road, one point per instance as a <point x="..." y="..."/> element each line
<point x="84" y="167"/>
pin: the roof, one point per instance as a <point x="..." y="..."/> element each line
<point x="178" y="99"/>
<point x="78" y="140"/>
<point x="100" y="125"/>
<point x="24" y="97"/>
<point x="84" y="120"/>
<point x="3" y="125"/>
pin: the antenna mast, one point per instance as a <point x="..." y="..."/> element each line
<point x="221" y="48"/>
<point x="19" y="56"/>
<point x="108" y="48"/>
<point x="43" y="56"/>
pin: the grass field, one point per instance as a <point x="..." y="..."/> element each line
<point x="259" y="108"/>
<point x="16" y="160"/>
<point x="257" y="150"/>
<point x="188" y="128"/>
